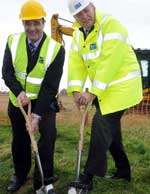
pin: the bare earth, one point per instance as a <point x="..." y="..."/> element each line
<point x="3" y="109"/>
<point x="70" y="115"/>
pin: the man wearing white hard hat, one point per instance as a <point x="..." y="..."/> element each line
<point x="101" y="51"/>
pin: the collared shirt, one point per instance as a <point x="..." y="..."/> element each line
<point x="35" y="44"/>
<point x="86" y="31"/>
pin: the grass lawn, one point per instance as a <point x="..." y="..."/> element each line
<point x="137" y="143"/>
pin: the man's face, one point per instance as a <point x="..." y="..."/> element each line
<point x="34" y="29"/>
<point x="86" y="17"/>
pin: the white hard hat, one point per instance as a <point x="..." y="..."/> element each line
<point x="75" y="6"/>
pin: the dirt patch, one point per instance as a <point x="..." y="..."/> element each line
<point x="4" y="120"/>
<point x="70" y="114"/>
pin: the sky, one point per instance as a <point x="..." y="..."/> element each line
<point x="134" y="14"/>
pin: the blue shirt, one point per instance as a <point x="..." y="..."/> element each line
<point x="35" y="44"/>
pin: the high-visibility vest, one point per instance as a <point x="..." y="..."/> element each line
<point x="109" y="60"/>
<point x="31" y="82"/>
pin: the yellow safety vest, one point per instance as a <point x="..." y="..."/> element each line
<point x="109" y="61"/>
<point x="31" y="82"/>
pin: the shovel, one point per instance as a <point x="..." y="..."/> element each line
<point x="44" y="189"/>
<point x="76" y="187"/>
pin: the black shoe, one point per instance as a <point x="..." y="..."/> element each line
<point x="85" y="183"/>
<point x="122" y="175"/>
<point x="47" y="181"/>
<point x="51" y="180"/>
<point x="15" y="183"/>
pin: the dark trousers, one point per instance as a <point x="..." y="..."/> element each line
<point x="106" y="135"/>
<point x="21" y="144"/>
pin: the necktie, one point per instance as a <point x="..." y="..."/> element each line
<point x="86" y="32"/>
<point x="32" y="48"/>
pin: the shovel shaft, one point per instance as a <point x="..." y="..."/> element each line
<point x="32" y="138"/>
<point x="81" y="141"/>
<point x="79" y="156"/>
<point x="82" y="126"/>
<point x="40" y="167"/>
<point x="28" y="121"/>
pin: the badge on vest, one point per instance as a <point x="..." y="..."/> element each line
<point x="41" y="60"/>
<point x="93" y="46"/>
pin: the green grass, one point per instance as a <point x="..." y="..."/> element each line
<point x="137" y="144"/>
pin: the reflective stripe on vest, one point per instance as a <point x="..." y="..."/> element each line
<point x="74" y="47"/>
<point x="75" y="83"/>
<point x="102" y="86"/>
<point x="31" y="95"/>
<point x="32" y="80"/>
<point x="107" y="37"/>
<point x="78" y="37"/>
<point x="36" y="81"/>
<point x="50" y="53"/>
<point x="91" y="55"/>
<point x="114" y="36"/>
<point x="14" y="45"/>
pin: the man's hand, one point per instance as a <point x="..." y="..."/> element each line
<point x="34" y="123"/>
<point x="77" y="96"/>
<point x="24" y="100"/>
<point x="86" y="97"/>
<point x="82" y="99"/>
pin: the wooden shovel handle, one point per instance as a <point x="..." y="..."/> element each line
<point x="82" y="126"/>
<point x="28" y="121"/>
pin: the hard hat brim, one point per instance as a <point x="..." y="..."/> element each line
<point x="31" y="18"/>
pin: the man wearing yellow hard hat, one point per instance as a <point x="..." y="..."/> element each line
<point x="32" y="69"/>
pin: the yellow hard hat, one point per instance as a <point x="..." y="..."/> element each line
<point x="32" y="10"/>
